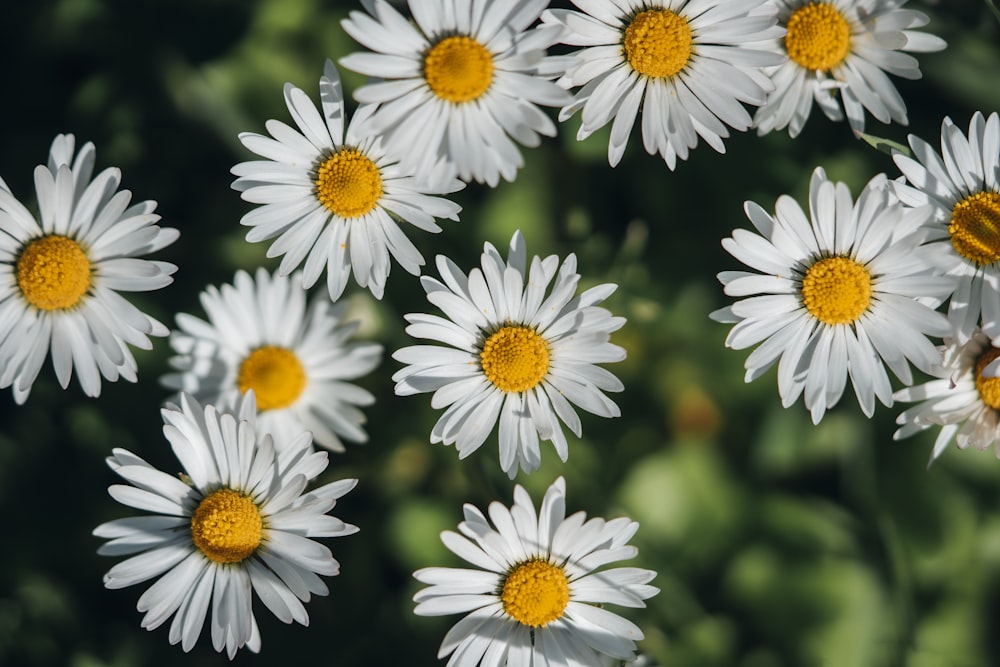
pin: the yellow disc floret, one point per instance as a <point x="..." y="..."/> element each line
<point x="515" y="358"/>
<point x="53" y="272"/>
<point x="348" y="184"/>
<point x="836" y="290"/>
<point x="818" y="37"/>
<point x="458" y="69"/>
<point x="227" y="526"/>
<point x="658" y="43"/>
<point x="988" y="388"/>
<point x="975" y="227"/>
<point x="535" y="593"/>
<point x="275" y="374"/>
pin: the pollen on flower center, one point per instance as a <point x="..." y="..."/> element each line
<point x="818" y="37"/>
<point x="658" y="43"/>
<point x="975" y="227"/>
<point x="515" y="358"/>
<point x="226" y="526"/>
<point x="348" y="184"/>
<point x="988" y="388"/>
<point x="275" y="374"/>
<point x="535" y="593"/>
<point x="458" y="69"/>
<point x="53" y="272"/>
<point x="836" y="290"/>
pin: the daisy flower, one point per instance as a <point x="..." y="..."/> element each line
<point x="963" y="402"/>
<point x="261" y="336"/>
<point x="512" y="353"/>
<point x="233" y="522"/>
<point x="464" y="83"/>
<point x="843" y="45"/>
<point x="536" y="597"/>
<point x="60" y="274"/>
<point x="686" y="63"/>
<point x="962" y="186"/>
<point x="336" y="199"/>
<point x="843" y="292"/>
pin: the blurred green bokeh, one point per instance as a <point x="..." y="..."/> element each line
<point x="778" y="543"/>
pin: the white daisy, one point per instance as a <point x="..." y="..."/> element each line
<point x="685" y="62"/>
<point x="260" y="336"/>
<point x="234" y="521"/>
<point x="964" y="402"/>
<point x="336" y="199"/>
<point x="845" y="291"/>
<point x="464" y="83"/>
<point x="60" y="275"/>
<point x="848" y="46"/>
<point x="513" y="353"/>
<point x="537" y="597"/>
<point x="962" y="186"/>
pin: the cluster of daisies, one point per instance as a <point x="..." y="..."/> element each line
<point x="264" y="383"/>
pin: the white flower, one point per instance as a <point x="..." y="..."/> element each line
<point x="536" y="596"/>
<point x="962" y="186"/>
<point x="464" y="83"/>
<point x="847" y="46"/>
<point x="335" y="200"/>
<point x="686" y="63"/>
<point x="964" y="402"/>
<point x="514" y="353"/>
<point x="260" y="336"/>
<point x="845" y="291"/>
<point x="60" y="275"/>
<point x="235" y="521"/>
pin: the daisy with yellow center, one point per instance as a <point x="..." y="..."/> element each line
<point x="847" y="47"/>
<point x="961" y="185"/>
<point x="964" y="400"/>
<point x="63" y="271"/>
<point x="464" y="81"/>
<point x="261" y="335"/>
<point x="537" y="597"/>
<point x="336" y="198"/>
<point x="842" y="292"/>
<point x="236" y="520"/>
<point x="689" y="66"/>
<point x="512" y="353"/>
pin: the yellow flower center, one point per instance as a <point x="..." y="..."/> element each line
<point x="836" y="290"/>
<point x="275" y="374"/>
<point x="975" y="227"/>
<point x="819" y="37"/>
<point x="226" y="527"/>
<point x="53" y="273"/>
<point x="535" y="593"/>
<point x="348" y="184"/>
<point x="988" y="388"/>
<point x="515" y="358"/>
<point x="458" y="69"/>
<point x="658" y="43"/>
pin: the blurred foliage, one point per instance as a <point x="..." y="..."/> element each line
<point x="778" y="544"/>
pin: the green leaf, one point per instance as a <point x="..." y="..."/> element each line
<point x="885" y="145"/>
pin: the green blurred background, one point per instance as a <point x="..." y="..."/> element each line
<point x="778" y="544"/>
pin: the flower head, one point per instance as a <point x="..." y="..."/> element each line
<point x="538" y="596"/>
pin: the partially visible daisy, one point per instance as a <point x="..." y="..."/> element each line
<point x="512" y="353"/>
<point x="845" y="46"/>
<point x="463" y="83"/>
<point x="60" y="275"/>
<point x="686" y="63"/>
<point x="962" y="186"/>
<point x="335" y="199"/>
<point x="260" y="336"/>
<point x="233" y="522"/>
<point x="964" y="402"/>
<point x="843" y="292"/>
<point x="537" y="595"/>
